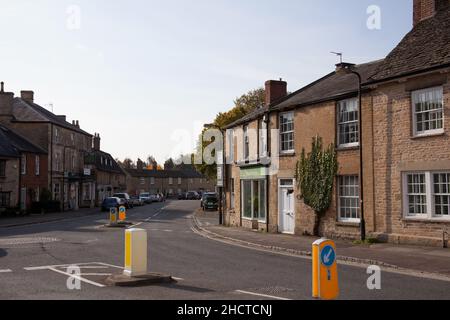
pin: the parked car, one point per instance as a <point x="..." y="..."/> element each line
<point x="109" y="203"/>
<point x="206" y="194"/>
<point x="153" y="198"/>
<point x="192" y="195"/>
<point x="161" y="197"/>
<point x="126" y="198"/>
<point x="210" y="201"/>
<point x="136" y="201"/>
<point x="145" y="197"/>
<point x="182" y="196"/>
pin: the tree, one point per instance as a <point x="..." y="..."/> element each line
<point x="151" y="162"/>
<point x="242" y="106"/>
<point x="315" y="174"/>
<point x="127" y="163"/>
<point x="169" y="164"/>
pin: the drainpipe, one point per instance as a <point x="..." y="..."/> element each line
<point x="444" y="240"/>
<point x="268" y="176"/>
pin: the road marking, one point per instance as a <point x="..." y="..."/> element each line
<point x="262" y="295"/>
<point x="177" y="279"/>
<point x="77" y="277"/>
<point x="6" y="271"/>
<point x="95" y="274"/>
<point x="59" y="266"/>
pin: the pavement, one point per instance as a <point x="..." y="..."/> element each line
<point x="37" y="262"/>
<point x="422" y="260"/>
<point x="11" y="221"/>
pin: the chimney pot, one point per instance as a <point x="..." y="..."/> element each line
<point x="2" y="87"/>
<point x="97" y="142"/>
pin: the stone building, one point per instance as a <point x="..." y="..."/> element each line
<point x="109" y="177"/>
<point x="405" y="112"/>
<point x="23" y="171"/>
<point x="66" y="144"/>
<point x="169" y="182"/>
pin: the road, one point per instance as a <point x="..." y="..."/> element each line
<point x="205" y="269"/>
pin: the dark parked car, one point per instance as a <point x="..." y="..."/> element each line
<point x="210" y="202"/>
<point x="126" y="198"/>
<point x="109" y="203"/>
<point x="204" y="195"/>
<point x="192" y="195"/>
<point x="182" y="196"/>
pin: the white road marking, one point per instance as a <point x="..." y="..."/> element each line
<point x="109" y="265"/>
<point x="6" y="271"/>
<point x="261" y="295"/>
<point x="95" y="274"/>
<point x="59" y="266"/>
<point x="177" y="279"/>
<point x="77" y="277"/>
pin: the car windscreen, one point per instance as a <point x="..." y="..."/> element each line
<point x="211" y="199"/>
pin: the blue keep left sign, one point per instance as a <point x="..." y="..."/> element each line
<point x="328" y="256"/>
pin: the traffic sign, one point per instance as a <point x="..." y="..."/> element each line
<point x="113" y="215"/>
<point x="122" y="213"/>
<point x="328" y="256"/>
<point x="325" y="273"/>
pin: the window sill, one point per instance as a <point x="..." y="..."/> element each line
<point x="428" y="135"/>
<point x="427" y="220"/>
<point x="353" y="224"/>
<point x="287" y="154"/>
<point x="347" y="148"/>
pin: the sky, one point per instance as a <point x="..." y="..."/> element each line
<point x="148" y="74"/>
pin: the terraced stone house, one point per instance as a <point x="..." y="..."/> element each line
<point x="405" y="144"/>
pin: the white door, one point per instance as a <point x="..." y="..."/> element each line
<point x="286" y="210"/>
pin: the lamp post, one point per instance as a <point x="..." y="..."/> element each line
<point x="209" y="126"/>
<point x="349" y="68"/>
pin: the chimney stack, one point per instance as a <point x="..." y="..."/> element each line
<point x="275" y="90"/>
<point x="6" y="102"/>
<point x="424" y="9"/>
<point x="27" y="95"/>
<point x="77" y="124"/>
<point x="140" y="165"/>
<point x="97" y="142"/>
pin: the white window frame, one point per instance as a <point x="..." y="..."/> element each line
<point x="263" y="139"/>
<point x="142" y="181"/>
<point x="152" y="180"/>
<point x="290" y="151"/>
<point x="37" y="165"/>
<point x="23" y="164"/>
<point x="170" y="181"/>
<point x="252" y="189"/>
<point x="339" y="199"/>
<point x="179" y="181"/>
<point x="230" y="138"/>
<point x="246" y="143"/>
<point x="339" y="123"/>
<point x="414" y="98"/>
<point x="430" y="197"/>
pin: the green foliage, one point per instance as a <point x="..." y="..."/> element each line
<point x="315" y="174"/>
<point x="242" y="106"/>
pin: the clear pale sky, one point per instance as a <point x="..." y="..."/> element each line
<point x="138" y="70"/>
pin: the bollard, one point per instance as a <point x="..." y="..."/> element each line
<point x="122" y="214"/>
<point x="324" y="270"/>
<point x="135" y="252"/>
<point x="112" y="216"/>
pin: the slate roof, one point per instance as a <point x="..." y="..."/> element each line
<point x="108" y="165"/>
<point x="332" y="86"/>
<point x="32" y="112"/>
<point x="13" y="144"/>
<point x="425" y="47"/>
<point x="255" y="114"/>
<point x="164" y="173"/>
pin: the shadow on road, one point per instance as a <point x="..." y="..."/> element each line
<point x="3" y="253"/>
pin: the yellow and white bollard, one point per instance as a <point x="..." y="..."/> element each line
<point x="135" y="252"/>
<point x="122" y="214"/>
<point x="112" y="216"/>
<point x="324" y="270"/>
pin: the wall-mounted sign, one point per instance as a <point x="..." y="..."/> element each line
<point x="87" y="171"/>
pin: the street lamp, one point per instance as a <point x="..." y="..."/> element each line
<point x="213" y="126"/>
<point x="349" y="68"/>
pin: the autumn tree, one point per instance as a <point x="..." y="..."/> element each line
<point x="242" y="106"/>
<point x="315" y="174"/>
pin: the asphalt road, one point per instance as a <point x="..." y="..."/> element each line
<point x="205" y="269"/>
